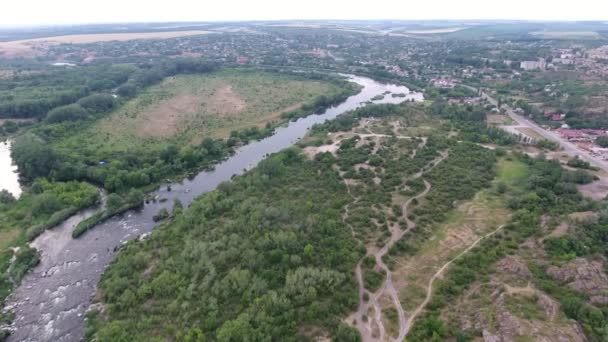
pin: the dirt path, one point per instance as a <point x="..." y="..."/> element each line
<point x="366" y="135"/>
<point x="429" y="290"/>
<point x="366" y="326"/>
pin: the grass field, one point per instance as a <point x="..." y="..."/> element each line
<point x="510" y="171"/>
<point x="187" y="108"/>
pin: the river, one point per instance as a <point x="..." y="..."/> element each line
<point x="9" y="179"/>
<point x="51" y="302"/>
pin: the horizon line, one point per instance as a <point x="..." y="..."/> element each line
<point x="232" y="21"/>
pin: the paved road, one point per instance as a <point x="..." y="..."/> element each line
<point x="568" y="147"/>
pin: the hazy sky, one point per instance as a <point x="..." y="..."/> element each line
<point x="36" y="12"/>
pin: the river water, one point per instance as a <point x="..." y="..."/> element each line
<point x="9" y="179"/>
<point x="51" y="302"/>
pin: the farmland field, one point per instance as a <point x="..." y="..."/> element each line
<point x="566" y="34"/>
<point x="31" y="47"/>
<point x="187" y="108"/>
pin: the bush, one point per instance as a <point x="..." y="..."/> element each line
<point x="127" y="90"/>
<point x="98" y="103"/>
<point x="73" y="112"/>
<point x="161" y="215"/>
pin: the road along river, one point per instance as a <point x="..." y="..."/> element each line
<point x="51" y="302"/>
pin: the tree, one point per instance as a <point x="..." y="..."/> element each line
<point x="602" y="141"/>
<point x="45" y="204"/>
<point x="194" y="335"/>
<point x="347" y="334"/>
<point x="6" y="197"/>
<point x="239" y="329"/>
<point x="33" y="156"/>
<point x="114" y="201"/>
<point x="73" y="112"/>
<point x="127" y="90"/>
<point x="98" y="103"/>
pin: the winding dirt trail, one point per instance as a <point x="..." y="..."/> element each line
<point x="429" y="289"/>
<point x="366" y="326"/>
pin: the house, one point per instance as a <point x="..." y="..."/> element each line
<point x="570" y="133"/>
<point x="444" y="83"/>
<point x="581" y="135"/>
<point x="541" y="64"/>
<point x="242" y="60"/>
<point x="563" y="61"/>
<point x="554" y="117"/>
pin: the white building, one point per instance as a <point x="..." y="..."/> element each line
<point x="541" y="64"/>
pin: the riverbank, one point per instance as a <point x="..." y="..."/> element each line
<point x="52" y="299"/>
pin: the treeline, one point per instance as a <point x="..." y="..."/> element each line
<point x="253" y="260"/>
<point x="35" y="158"/>
<point x="35" y="94"/>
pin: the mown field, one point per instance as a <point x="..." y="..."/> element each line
<point x="187" y="108"/>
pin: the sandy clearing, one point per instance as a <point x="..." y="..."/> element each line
<point x="529" y="132"/>
<point x="226" y="101"/>
<point x="163" y="120"/>
<point x="166" y="118"/>
<point x="597" y="190"/>
<point x="559" y="231"/>
<point x="312" y="151"/>
<point x="584" y="216"/>
<point x="34" y="46"/>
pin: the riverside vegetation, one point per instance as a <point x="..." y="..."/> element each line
<point x="64" y="157"/>
<point x="270" y="254"/>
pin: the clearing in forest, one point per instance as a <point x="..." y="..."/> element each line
<point x="187" y="108"/>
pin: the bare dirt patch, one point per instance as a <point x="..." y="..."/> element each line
<point x="164" y="119"/>
<point x="226" y="101"/>
<point x="529" y="132"/>
<point x="498" y="119"/>
<point x="597" y="190"/>
<point x="584" y="216"/>
<point x="560" y="230"/>
<point x="312" y="151"/>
